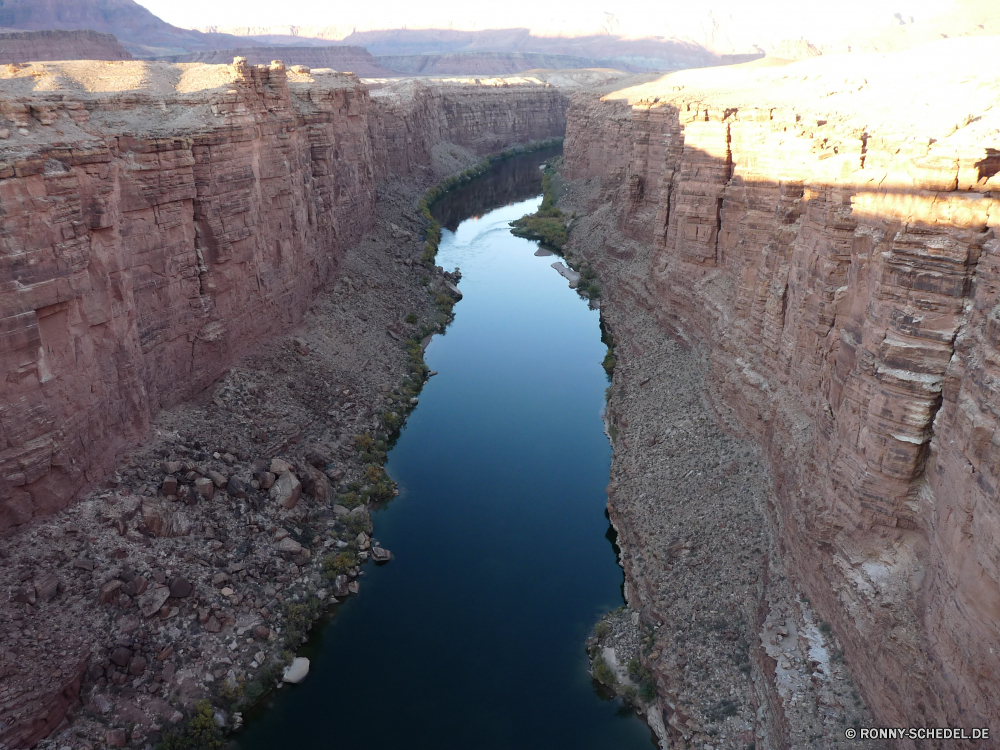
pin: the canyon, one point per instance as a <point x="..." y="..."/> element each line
<point x="798" y="265"/>
<point x="162" y="223"/>
<point x="824" y="234"/>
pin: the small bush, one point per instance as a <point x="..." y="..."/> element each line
<point x="824" y="627"/>
<point x="334" y="566"/>
<point x="411" y="318"/>
<point x="602" y="630"/>
<point x="200" y="733"/>
<point x="602" y="672"/>
<point x="647" y="691"/>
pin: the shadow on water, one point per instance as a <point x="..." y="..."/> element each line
<point x="510" y="181"/>
<point x="472" y="638"/>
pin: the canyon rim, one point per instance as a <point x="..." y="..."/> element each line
<point x="195" y="257"/>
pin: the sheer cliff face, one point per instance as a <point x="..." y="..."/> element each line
<point x="134" y="269"/>
<point x="837" y="261"/>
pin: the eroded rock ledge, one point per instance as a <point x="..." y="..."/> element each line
<point x="824" y="233"/>
<point x="159" y="220"/>
<point x="160" y="226"/>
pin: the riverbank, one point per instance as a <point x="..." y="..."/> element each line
<point x="197" y="570"/>
<point x="737" y="655"/>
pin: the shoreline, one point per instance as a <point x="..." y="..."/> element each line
<point x="203" y="563"/>
<point x="727" y="636"/>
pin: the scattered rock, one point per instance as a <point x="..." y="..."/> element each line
<point x="288" y="545"/>
<point x="136" y="586"/>
<point x="180" y="588"/>
<point x="381" y="555"/>
<point x="110" y="591"/>
<point x="287" y="490"/>
<point x="296" y="671"/>
<point x="279" y="466"/>
<point x="121" y="656"/>
<point x="47" y="587"/>
<point x="150" y="602"/>
<point x="204" y="487"/>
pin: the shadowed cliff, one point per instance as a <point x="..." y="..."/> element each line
<point x="841" y="275"/>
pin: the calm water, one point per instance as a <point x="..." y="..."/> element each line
<point x="473" y="636"/>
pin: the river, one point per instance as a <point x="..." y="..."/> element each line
<point x="473" y="636"/>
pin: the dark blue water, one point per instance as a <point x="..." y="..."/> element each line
<point x="473" y="637"/>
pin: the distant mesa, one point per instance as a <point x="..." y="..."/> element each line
<point x="28" y="46"/>
<point x="139" y="31"/>
<point x="356" y="59"/>
<point x="494" y="63"/>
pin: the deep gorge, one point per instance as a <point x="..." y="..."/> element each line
<point x="830" y="266"/>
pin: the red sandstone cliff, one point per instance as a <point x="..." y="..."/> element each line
<point x="826" y="233"/>
<point x="152" y="236"/>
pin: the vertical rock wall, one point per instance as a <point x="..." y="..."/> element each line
<point x="843" y="281"/>
<point x="138" y="262"/>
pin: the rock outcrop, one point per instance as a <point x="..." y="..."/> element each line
<point x="25" y="46"/>
<point x="354" y="59"/>
<point x="150" y="238"/>
<point x="825" y="233"/>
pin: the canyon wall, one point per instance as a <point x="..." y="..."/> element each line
<point x="152" y="236"/>
<point x="826" y="234"/>
<point x="355" y="59"/>
<point x="24" y="46"/>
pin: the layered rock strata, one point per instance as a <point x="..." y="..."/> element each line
<point x="24" y="46"/>
<point x="158" y="223"/>
<point x="825" y="234"/>
<point x="152" y="237"/>
<point x="355" y="59"/>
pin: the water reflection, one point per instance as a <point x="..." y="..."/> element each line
<point x="514" y="180"/>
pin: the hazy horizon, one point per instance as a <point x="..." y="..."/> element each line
<point x="735" y="21"/>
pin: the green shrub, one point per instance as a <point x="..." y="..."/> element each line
<point x="647" y="691"/>
<point x="602" y="672"/>
<point x="411" y="318"/>
<point x="200" y="733"/>
<point x="602" y="630"/>
<point x="334" y="566"/>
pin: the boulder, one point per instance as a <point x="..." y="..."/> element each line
<point x="136" y="586"/>
<point x="163" y="521"/>
<point x="204" y="487"/>
<point x="121" y="656"/>
<point x="169" y="486"/>
<point x="381" y="555"/>
<point x="286" y="490"/>
<point x="296" y="671"/>
<point x="218" y="479"/>
<point x="340" y="586"/>
<point x="47" y="587"/>
<point x="110" y="591"/>
<point x="180" y="588"/>
<point x="279" y="466"/>
<point x="236" y="487"/>
<point x="150" y="602"/>
<point x="288" y="545"/>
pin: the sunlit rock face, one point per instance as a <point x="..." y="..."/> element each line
<point x="158" y="221"/>
<point x="825" y="231"/>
